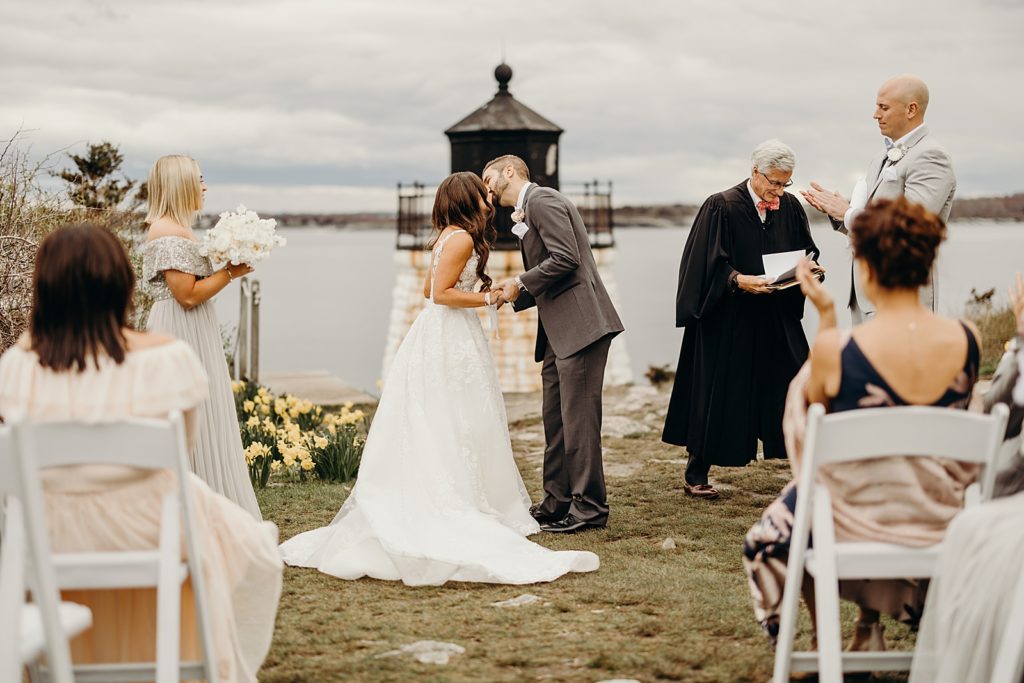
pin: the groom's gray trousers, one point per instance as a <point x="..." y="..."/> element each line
<point x="573" y="470"/>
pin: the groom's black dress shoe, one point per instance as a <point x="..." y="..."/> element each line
<point x="569" y="524"/>
<point x="543" y="517"/>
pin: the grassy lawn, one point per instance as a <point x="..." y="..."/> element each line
<point x="648" y="614"/>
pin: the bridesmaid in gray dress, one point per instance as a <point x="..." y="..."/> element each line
<point x="183" y="284"/>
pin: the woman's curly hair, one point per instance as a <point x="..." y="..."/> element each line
<point x="899" y="240"/>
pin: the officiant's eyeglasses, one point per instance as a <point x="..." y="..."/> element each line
<point x="775" y="183"/>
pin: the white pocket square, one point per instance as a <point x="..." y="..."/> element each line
<point x="889" y="174"/>
<point x="519" y="229"/>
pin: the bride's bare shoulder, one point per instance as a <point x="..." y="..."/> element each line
<point x="460" y="242"/>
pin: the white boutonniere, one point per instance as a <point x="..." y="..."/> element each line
<point x="518" y="216"/>
<point x="896" y="153"/>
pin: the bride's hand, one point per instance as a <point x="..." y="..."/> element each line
<point x="498" y="298"/>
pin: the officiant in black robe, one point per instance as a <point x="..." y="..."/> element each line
<point x="743" y="343"/>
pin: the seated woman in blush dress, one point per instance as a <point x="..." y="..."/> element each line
<point x="79" y="361"/>
<point x="903" y="355"/>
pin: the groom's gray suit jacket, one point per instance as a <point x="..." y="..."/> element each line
<point x="925" y="176"/>
<point x="561" y="279"/>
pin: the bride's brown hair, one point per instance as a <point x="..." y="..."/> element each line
<point x="458" y="203"/>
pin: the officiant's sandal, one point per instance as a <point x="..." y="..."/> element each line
<point x="706" y="491"/>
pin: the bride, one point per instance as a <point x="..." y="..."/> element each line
<point x="439" y="497"/>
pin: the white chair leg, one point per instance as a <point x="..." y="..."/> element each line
<point x="790" y="608"/>
<point x="168" y="632"/>
<point x="826" y="593"/>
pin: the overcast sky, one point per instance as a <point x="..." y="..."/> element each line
<point x="324" y="105"/>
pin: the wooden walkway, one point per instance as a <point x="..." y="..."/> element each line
<point x="318" y="386"/>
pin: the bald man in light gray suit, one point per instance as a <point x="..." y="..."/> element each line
<point x="912" y="164"/>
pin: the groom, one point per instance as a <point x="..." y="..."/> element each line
<point x="575" y="328"/>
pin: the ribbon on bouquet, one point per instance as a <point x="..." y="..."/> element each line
<point x="492" y="316"/>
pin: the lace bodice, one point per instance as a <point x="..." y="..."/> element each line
<point x="467" y="278"/>
<point x="171" y="253"/>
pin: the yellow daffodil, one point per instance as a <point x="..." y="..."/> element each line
<point x="248" y="406"/>
<point x="253" y="422"/>
<point x="320" y="442"/>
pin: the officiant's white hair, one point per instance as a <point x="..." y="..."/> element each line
<point x="773" y="155"/>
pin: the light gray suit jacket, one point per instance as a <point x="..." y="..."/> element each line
<point x="924" y="175"/>
<point x="561" y="279"/>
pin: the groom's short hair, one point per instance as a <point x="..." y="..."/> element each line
<point x="512" y="160"/>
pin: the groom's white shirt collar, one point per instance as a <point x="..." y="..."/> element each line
<point x="903" y="140"/>
<point x="522" y="196"/>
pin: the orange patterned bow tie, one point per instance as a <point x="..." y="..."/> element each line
<point x="768" y="206"/>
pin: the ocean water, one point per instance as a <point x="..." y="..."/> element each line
<point x="326" y="296"/>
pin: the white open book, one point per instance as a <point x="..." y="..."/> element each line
<point x="780" y="268"/>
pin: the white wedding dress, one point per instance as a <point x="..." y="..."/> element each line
<point x="438" y="497"/>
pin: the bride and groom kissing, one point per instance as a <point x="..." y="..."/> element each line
<point x="439" y="497"/>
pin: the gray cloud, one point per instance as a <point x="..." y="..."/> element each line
<point x="324" y="106"/>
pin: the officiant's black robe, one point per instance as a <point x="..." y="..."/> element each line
<point x="740" y="351"/>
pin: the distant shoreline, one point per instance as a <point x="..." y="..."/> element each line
<point x="1007" y="209"/>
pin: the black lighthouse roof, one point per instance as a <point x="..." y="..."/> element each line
<point x="503" y="112"/>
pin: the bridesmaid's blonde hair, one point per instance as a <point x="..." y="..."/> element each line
<point x="174" y="190"/>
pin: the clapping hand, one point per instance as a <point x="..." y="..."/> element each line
<point x="826" y="201"/>
<point x="1017" y="303"/>
<point x="812" y="288"/>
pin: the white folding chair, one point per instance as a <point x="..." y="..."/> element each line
<point x="28" y="630"/>
<point x="147" y="444"/>
<point x="858" y="435"/>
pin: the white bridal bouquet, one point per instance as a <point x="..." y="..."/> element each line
<point x="241" y="236"/>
